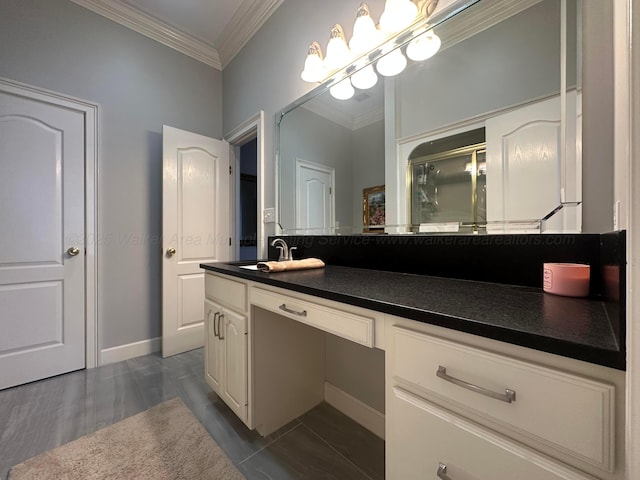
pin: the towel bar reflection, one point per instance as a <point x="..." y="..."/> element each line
<point x="508" y="395"/>
<point x="284" y="308"/>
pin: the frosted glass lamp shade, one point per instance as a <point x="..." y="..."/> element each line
<point x="338" y="54"/>
<point x="314" y="69"/>
<point x="364" y="78"/>
<point x="423" y="46"/>
<point x="397" y="15"/>
<point x="365" y="34"/>
<point x="343" y="90"/>
<point x="392" y="63"/>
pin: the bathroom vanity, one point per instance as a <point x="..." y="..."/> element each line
<point x="485" y="376"/>
<point x="482" y="380"/>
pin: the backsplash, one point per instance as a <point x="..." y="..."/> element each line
<point x="509" y="259"/>
<point x="613" y="261"/>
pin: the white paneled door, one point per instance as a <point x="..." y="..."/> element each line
<point x="42" y="250"/>
<point x="196" y="229"/>
<point x="525" y="161"/>
<point x="314" y="197"/>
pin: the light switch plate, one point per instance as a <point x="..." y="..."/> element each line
<point x="269" y="215"/>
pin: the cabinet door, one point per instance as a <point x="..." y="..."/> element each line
<point x="212" y="345"/>
<point x="426" y="441"/>
<point x="234" y="364"/>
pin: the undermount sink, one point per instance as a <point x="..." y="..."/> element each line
<point x="247" y="264"/>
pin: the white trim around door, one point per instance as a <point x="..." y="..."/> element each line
<point x="247" y="130"/>
<point x="91" y="116"/>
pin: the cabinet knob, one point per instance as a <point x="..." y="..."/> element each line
<point x="171" y="252"/>
<point x="73" y="251"/>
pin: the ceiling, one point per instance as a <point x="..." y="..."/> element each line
<point x="211" y="31"/>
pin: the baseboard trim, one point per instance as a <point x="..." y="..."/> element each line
<point x="130" y="350"/>
<point x="360" y="412"/>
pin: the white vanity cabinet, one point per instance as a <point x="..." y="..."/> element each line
<point x="265" y="347"/>
<point x="226" y="342"/>
<point x="457" y="406"/>
<point x="461" y="412"/>
<point x="426" y="441"/>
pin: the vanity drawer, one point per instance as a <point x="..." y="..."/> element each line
<point x="357" y="328"/>
<point x="228" y="292"/>
<point x="425" y="438"/>
<point x="567" y="412"/>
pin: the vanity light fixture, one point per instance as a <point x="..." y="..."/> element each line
<point x="338" y="53"/>
<point x="365" y="37"/>
<point x="314" y="68"/>
<point x="365" y="34"/>
<point x="424" y="46"/>
<point x="397" y="17"/>
<point x="364" y="78"/>
<point x="343" y="90"/>
<point x="392" y="63"/>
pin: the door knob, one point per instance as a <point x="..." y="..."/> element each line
<point x="171" y="252"/>
<point x="73" y="251"/>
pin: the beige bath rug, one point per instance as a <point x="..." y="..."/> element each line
<point x="164" y="442"/>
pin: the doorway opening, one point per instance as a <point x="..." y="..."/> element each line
<point x="247" y="158"/>
<point x="247" y="211"/>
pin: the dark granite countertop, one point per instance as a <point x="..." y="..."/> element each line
<point x="572" y="327"/>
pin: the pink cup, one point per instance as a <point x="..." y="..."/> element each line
<point x="567" y="279"/>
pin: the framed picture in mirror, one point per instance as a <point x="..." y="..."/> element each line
<point x="373" y="209"/>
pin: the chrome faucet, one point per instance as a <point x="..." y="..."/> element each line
<point x="286" y="253"/>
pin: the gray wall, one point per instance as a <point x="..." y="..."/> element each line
<point x="367" y="152"/>
<point x="311" y="137"/>
<point x="140" y="85"/>
<point x="598" y="116"/>
<point x="356" y="155"/>
<point x="483" y="73"/>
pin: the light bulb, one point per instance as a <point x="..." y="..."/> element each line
<point x="338" y="54"/>
<point x="314" y="69"/>
<point x="365" y="34"/>
<point x="364" y="78"/>
<point x="392" y="63"/>
<point x="342" y="90"/>
<point x="423" y="46"/>
<point x="398" y="15"/>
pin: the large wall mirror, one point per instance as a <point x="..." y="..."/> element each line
<point x="487" y="136"/>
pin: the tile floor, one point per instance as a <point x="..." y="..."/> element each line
<point x="322" y="444"/>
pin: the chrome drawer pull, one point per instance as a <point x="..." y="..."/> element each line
<point x="442" y="472"/>
<point x="284" y="308"/>
<point x="508" y="395"/>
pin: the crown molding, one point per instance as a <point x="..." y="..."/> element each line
<point x="245" y="23"/>
<point x="155" y="29"/>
